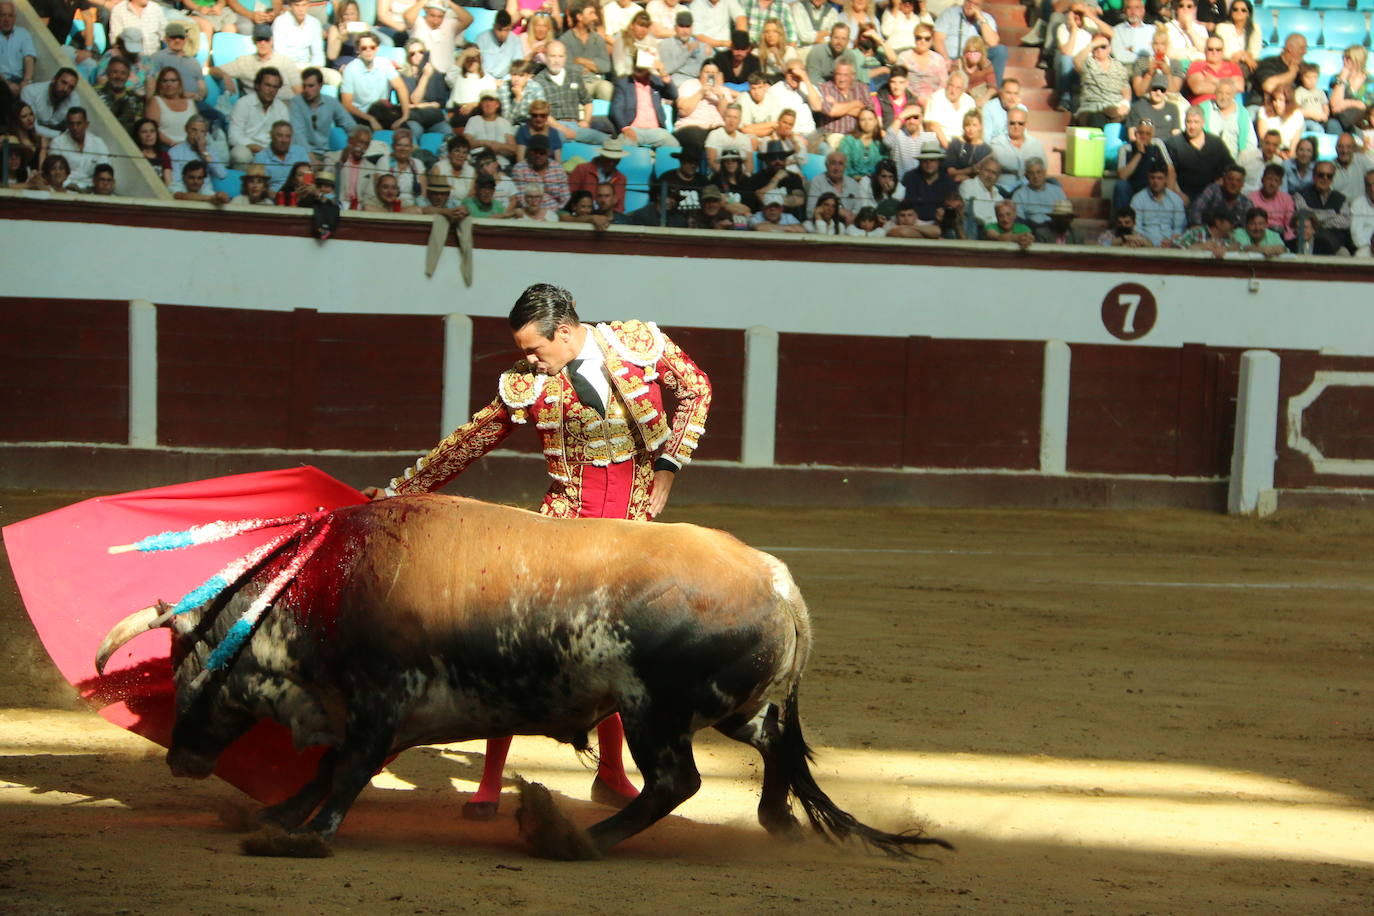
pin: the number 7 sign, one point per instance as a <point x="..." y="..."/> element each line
<point x="1128" y="311"/>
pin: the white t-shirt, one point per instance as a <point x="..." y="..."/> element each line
<point x="719" y="140"/>
<point x="617" y="18"/>
<point x="785" y="96"/>
<point x="758" y="112"/>
<point x="706" y="114"/>
<point x="441" y="42"/>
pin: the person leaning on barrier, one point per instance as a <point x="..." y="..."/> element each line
<point x="1122" y="233"/>
<point x="1060" y="229"/>
<point x="1256" y="235"/>
<point x="192" y="180"/>
<point x="103" y="180"/>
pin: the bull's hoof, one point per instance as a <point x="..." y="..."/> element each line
<point x="277" y="843"/>
<point x="603" y="794"/>
<point x="548" y="831"/>
<point x="479" y="811"/>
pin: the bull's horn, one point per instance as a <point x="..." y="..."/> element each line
<point x="150" y="618"/>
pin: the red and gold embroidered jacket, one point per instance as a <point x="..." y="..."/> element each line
<point x="639" y="357"/>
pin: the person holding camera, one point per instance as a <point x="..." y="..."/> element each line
<point x="701" y="105"/>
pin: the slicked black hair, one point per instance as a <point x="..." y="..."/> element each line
<point x="546" y="306"/>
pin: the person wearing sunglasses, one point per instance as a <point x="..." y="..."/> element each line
<point x="1241" y="39"/>
<point x="1329" y="207"/>
<point x="1204" y="75"/>
<point x="1106" y="87"/>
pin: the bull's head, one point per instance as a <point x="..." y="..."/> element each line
<point x="207" y="719"/>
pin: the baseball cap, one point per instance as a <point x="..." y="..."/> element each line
<point x="730" y="153"/>
<point x="774" y="197"/>
<point x="262" y="32"/>
<point x="711" y="192"/>
<point x="1159" y="81"/>
<point x="488" y="94"/>
<point x="175" y="30"/>
<point x="684" y="18"/>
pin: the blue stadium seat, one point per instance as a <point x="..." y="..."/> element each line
<point x="577" y="153"/>
<point x="1329" y="62"/>
<point x="814" y="165"/>
<point x="338" y="138"/>
<point x="600" y="108"/>
<point x="327" y="89"/>
<point x="1365" y="6"/>
<point x="100" y="40"/>
<point x="231" y="182"/>
<point x="1326" y="146"/>
<point x="637" y="167"/>
<point x="1113" y="134"/>
<point x="1328" y="4"/>
<point x="481" y="22"/>
<point x="229" y="45"/>
<point x="665" y="159"/>
<point x="634" y="200"/>
<point x="397" y="55"/>
<point x="432" y="142"/>
<point x="1282" y="4"/>
<point x="1343" y="28"/>
<point x="382" y="136"/>
<point x="1306" y="22"/>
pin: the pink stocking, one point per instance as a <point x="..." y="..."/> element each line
<point x="610" y="738"/>
<point x="492" y="768"/>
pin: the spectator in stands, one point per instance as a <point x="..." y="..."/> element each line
<point x="1015" y="149"/>
<point x="519" y="92"/>
<point x="191" y="186"/>
<point x="581" y="208"/>
<point x="539" y="169"/>
<point x="682" y="54"/>
<point x="908" y="137"/>
<point x="539" y="31"/>
<point x="1135" y="159"/>
<point x="128" y="46"/>
<point x="1242" y="40"/>
<point x="980" y="78"/>
<point x="244" y="70"/>
<point x="604" y="168"/>
<point x="1204" y="75"/>
<point x="701" y="105"/>
<point x="886" y="189"/>
<point x="617" y="15"/>
<point x="251" y="122"/>
<point x="1352" y="92"/>
<point x="500" y="46"/>
<point x="822" y="59"/>
<point x="1105" y="89"/>
<point x="313" y="115"/>
<point x="17" y="52"/>
<point x="1159" y="210"/>
<point x="1351" y="167"/>
<point x="1362" y="216"/>
<point x="812" y="21"/>
<point x="353" y="172"/>
<point x="1133" y="37"/>
<point x="250" y="15"/>
<point x="825" y="215"/>
<point x="392" y="19"/>
<point x="570" y="98"/>
<point x="927" y="187"/>
<point x="1198" y="157"/>
<point x="1036" y="199"/>
<point x="863" y="147"/>
<point x="18" y="169"/>
<point x="1282" y="115"/>
<point x="1005" y="228"/>
<point x="1217" y="234"/>
<point x="22" y="124"/>
<point x="1276" y="202"/>
<point x="341" y="41"/>
<point x="487" y="163"/>
<point x="1256" y="235"/>
<point x="103" y="180"/>
<point x="1122" y="233"/>
<point x="427" y="91"/>
<point x="1081" y="24"/>
<point x="299" y="36"/>
<point x="1227" y="194"/>
<point x="253" y="188"/>
<point x="181" y="58"/>
<point x="734" y="185"/>
<point x="467" y="81"/>
<point x="533" y="205"/>
<point x="729" y="137"/>
<point x="1297" y="169"/>
<point x="538" y="125"/>
<point x="82" y="150"/>
<point x="796" y="93"/>
<point x="1187" y="36"/>
<point x="1278" y="70"/>
<point x="772" y="217"/>
<point x="50" y="101"/>
<point x="54" y="175"/>
<point x="170" y="107"/>
<point x="634" y="47"/>
<point x="957" y="25"/>
<point x="964" y="153"/>
<point x="852" y="193"/>
<point x="1315" y="107"/>
<point x="842" y="97"/>
<point x="867" y="224"/>
<point x="439" y="199"/>
<point x="775" y="175"/>
<point x="1157" y="64"/>
<point x="682" y="185"/>
<point x="484" y="203"/>
<point x="367" y="85"/>
<point x="738" y="62"/>
<point x="455" y="169"/>
<point x="409" y="171"/>
<point x="195" y="148"/>
<point x="944" y="114"/>
<point x="996" y="110"/>
<point x="900" y="21"/>
<point x="148" y="18"/>
<point x="145" y="137"/>
<point x="637" y="106"/>
<point x="758" y="110"/>
<point x="1257" y="158"/>
<point x="439" y="27"/>
<point x="586" y="48"/>
<point x="386" y="197"/>
<point x="927" y="70"/>
<point x="606" y="202"/>
<point x="488" y="130"/>
<point x="980" y="195"/>
<point x="1060" y="229"/>
<point x="889" y="102"/>
<point x="298" y="190"/>
<point x="757" y="15"/>
<point x="123" y="102"/>
<point x="1227" y="120"/>
<point x="774" y="50"/>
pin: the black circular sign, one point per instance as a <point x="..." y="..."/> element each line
<point x="1128" y="311"/>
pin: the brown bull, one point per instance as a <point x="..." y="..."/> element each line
<point x="431" y="619"/>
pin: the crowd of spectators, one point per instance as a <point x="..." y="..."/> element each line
<point x="862" y="118"/>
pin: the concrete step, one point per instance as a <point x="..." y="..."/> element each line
<point x="1080" y="187"/>
<point x="1011" y="35"/>
<point x="1046" y="120"/>
<point x="1036" y="99"/>
<point x="1091" y="207"/>
<point x="1022" y="57"/>
<point x="1030" y="77"/>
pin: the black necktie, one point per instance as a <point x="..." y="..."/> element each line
<point x="585" y="392"/>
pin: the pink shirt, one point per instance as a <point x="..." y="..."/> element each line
<point x="1280" y="208"/>
<point x="645" y="116"/>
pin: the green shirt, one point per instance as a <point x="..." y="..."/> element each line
<point x="475" y="208"/>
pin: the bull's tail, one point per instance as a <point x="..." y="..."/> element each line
<point x="828" y="819"/>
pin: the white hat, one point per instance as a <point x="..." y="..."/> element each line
<point x="132" y="39"/>
<point x="774" y="196"/>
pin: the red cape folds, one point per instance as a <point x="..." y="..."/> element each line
<point x="75" y="591"/>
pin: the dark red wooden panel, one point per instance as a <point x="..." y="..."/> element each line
<point x="240" y="378"/>
<point x="64" y="370"/>
<point x="973" y="403"/>
<point x="1123" y="409"/>
<point x="840" y="400"/>
<point x="1340" y="422"/>
<point x="493" y="352"/>
<point x="720" y="354"/>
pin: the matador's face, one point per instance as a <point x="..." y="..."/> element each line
<point x="548" y="355"/>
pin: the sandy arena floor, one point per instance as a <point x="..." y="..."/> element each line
<point x="1144" y="712"/>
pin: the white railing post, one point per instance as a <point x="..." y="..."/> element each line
<point x="457" y="373"/>
<point x="1054" y="409"/>
<point x="142" y="374"/>
<point x="760" y="397"/>
<point x="1257" y="416"/>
